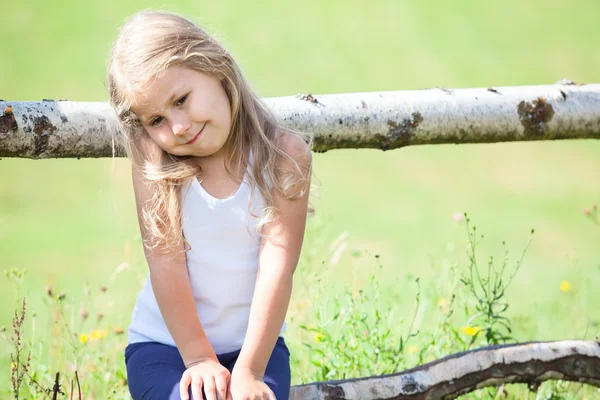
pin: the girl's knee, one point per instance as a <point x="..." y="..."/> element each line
<point x="278" y="374"/>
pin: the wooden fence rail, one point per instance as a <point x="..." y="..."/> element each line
<point x="447" y="378"/>
<point x="384" y="120"/>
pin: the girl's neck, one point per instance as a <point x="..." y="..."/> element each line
<point x="214" y="165"/>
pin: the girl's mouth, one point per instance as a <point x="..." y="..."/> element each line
<point x="192" y="140"/>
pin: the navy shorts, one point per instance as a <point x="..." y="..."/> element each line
<point x="154" y="370"/>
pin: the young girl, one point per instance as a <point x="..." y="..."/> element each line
<point x="222" y="198"/>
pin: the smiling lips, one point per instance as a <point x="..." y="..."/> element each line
<point x="192" y="140"/>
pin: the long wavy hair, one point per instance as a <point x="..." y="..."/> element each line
<point x="150" y="42"/>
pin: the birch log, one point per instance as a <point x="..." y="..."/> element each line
<point x="452" y="376"/>
<point x="383" y="120"/>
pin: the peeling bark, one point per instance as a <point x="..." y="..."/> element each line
<point x="452" y="376"/>
<point x="382" y="120"/>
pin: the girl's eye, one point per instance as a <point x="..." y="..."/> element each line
<point x="155" y="121"/>
<point x="181" y="100"/>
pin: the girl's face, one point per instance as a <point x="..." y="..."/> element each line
<point x="185" y="112"/>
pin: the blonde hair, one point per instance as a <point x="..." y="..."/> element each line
<point x="150" y="42"/>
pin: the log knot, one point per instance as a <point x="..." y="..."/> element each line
<point x="333" y="392"/>
<point x="309" y="97"/>
<point x="43" y="129"/>
<point x="400" y="134"/>
<point x="534" y="117"/>
<point x="411" y="386"/>
<point x="7" y="121"/>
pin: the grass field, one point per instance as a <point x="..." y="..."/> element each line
<point x="72" y="221"/>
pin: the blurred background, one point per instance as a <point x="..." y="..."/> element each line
<point x="71" y="223"/>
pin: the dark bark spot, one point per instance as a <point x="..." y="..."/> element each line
<point x="333" y="392"/>
<point x="563" y="95"/>
<point x="493" y="90"/>
<point x="43" y="129"/>
<point x="400" y="134"/>
<point x="42" y="125"/>
<point x="411" y="386"/>
<point x="8" y="121"/>
<point x="534" y="117"/>
<point x="309" y="97"/>
<point x="26" y="126"/>
<point x="41" y="143"/>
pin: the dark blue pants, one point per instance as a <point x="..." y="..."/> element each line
<point x="154" y="370"/>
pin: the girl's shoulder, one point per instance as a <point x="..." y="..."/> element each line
<point x="295" y="165"/>
<point x="296" y="147"/>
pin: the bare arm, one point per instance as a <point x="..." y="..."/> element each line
<point x="279" y="256"/>
<point x="173" y="292"/>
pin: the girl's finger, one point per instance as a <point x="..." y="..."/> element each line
<point x="221" y="387"/>
<point x="210" y="390"/>
<point x="197" y="388"/>
<point x="184" y="383"/>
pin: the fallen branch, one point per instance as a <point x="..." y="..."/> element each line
<point x="452" y="376"/>
<point x="384" y="120"/>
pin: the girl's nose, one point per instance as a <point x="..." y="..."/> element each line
<point x="181" y="126"/>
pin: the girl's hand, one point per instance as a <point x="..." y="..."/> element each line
<point x="209" y="374"/>
<point x="247" y="386"/>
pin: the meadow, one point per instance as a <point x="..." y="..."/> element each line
<point x="383" y="219"/>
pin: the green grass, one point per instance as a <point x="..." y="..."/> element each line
<point x="70" y="221"/>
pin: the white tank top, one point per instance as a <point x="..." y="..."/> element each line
<point x="222" y="265"/>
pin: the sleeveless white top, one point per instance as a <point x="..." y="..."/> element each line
<point x="222" y="264"/>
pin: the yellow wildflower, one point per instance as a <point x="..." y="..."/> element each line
<point x="443" y="304"/>
<point x="83" y="338"/>
<point x="565" y="286"/>
<point x="470" y="330"/>
<point x="319" y="337"/>
<point x="412" y="349"/>
<point x="98" y="334"/>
